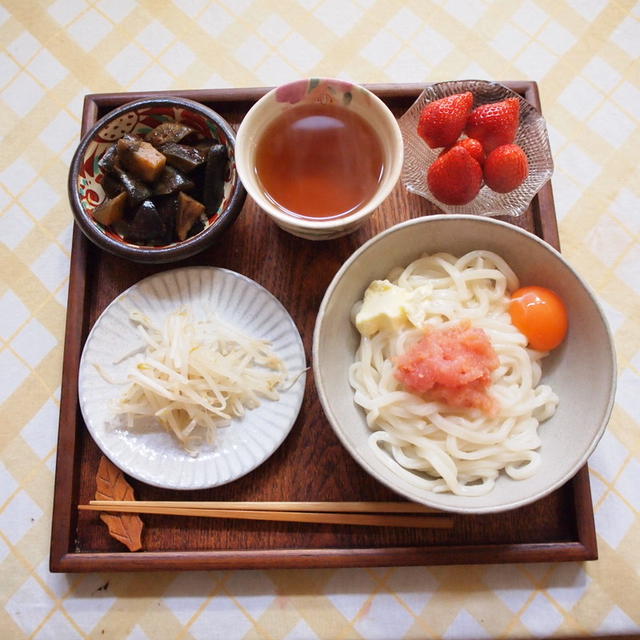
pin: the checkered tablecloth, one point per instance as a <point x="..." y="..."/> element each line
<point x="584" y="55"/>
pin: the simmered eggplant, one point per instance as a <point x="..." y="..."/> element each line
<point x="145" y="182"/>
<point x="167" y="207"/>
<point x="111" y="185"/>
<point x="116" y="179"/>
<point x="197" y="227"/>
<point x="168" y="132"/>
<point x="170" y="181"/>
<point x="111" y="210"/>
<point x="216" y="167"/>
<point x="182" y="156"/>
<point x="137" y="190"/>
<point x="146" y="226"/>
<point x="189" y="211"/>
<point x="203" y="146"/>
<point x="107" y="162"/>
<point x="140" y="158"/>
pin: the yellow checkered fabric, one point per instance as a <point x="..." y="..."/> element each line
<point x="584" y="55"/>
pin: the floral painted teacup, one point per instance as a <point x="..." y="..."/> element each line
<point x="362" y="105"/>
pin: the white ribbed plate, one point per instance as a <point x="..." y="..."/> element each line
<point x="156" y="457"/>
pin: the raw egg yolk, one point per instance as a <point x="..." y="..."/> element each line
<point x="540" y="315"/>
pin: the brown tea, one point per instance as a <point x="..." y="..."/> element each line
<point x="319" y="161"/>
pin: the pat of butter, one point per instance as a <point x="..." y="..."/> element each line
<point x="383" y="308"/>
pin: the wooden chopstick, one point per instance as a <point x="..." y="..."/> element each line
<point x="375" y="519"/>
<point x="333" y="507"/>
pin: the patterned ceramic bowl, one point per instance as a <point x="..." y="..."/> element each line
<point x="531" y="136"/>
<point x="355" y="99"/>
<point x="87" y="179"/>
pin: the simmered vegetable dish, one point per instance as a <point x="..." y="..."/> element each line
<point x="161" y="188"/>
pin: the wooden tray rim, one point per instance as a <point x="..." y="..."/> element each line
<point x="63" y="559"/>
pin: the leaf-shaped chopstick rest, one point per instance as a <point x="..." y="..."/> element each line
<point x="111" y="485"/>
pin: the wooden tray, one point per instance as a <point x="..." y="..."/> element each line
<point x="311" y="464"/>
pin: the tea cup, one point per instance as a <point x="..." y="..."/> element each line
<point x="265" y="117"/>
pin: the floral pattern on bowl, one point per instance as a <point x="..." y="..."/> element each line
<point x="532" y="136"/>
<point x="324" y="90"/>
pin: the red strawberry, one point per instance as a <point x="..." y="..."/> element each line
<point x="442" y="121"/>
<point x="455" y="177"/>
<point x="495" y="123"/>
<point x="506" y="168"/>
<point x="474" y="147"/>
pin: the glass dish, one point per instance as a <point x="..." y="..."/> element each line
<point x="532" y="136"/>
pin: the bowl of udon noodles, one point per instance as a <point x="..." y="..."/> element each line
<point x="518" y="418"/>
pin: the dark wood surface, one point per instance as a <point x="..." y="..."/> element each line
<point x="311" y="464"/>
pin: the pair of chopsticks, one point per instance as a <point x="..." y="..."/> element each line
<point x="378" y="514"/>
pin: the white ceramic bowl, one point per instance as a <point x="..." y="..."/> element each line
<point x="324" y="90"/>
<point x="581" y="371"/>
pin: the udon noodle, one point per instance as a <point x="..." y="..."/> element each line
<point x="428" y="443"/>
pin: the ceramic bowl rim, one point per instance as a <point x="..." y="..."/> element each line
<point x="141" y="253"/>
